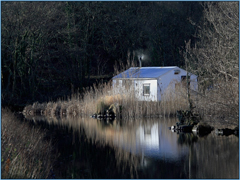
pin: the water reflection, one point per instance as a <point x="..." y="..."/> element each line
<point x="151" y="137"/>
<point x="153" y="149"/>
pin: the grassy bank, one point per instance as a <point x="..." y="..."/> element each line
<point x="25" y="151"/>
<point x="220" y="103"/>
<point x="96" y="99"/>
<point x="212" y="106"/>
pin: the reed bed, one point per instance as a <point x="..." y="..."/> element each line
<point x="96" y="98"/>
<point x="25" y="152"/>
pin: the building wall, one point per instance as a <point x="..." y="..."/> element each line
<point x="167" y="82"/>
<point x="135" y="86"/>
<point x="157" y="86"/>
<point x="123" y="86"/>
<point x="138" y="86"/>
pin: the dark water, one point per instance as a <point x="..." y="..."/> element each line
<point x="146" y="148"/>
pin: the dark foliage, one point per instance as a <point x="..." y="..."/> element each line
<point x="52" y="48"/>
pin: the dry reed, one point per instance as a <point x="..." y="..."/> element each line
<point x="25" y="152"/>
<point x="99" y="97"/>
<point x="103" y="95"/>
<point x="220" y="102"/>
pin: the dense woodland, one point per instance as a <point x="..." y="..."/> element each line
<point x="50" y="49"/>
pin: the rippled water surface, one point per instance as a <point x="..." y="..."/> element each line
<point x="143" y="148"/>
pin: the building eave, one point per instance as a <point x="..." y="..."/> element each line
<point x="121" y="78"/>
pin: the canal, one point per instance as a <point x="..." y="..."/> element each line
<point x="144" y="148"/>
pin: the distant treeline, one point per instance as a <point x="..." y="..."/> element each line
<point x="52" y="48"/>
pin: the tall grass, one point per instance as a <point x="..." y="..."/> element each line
<point x="220" y="102"/>
<point x="25" y="152"/>
<point x="102" y="96"/>
<point x="94" y="98"/>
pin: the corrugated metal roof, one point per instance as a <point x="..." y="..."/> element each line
<point x="145" y="72"/>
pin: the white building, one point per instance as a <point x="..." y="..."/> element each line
<point x="150" y="83"/>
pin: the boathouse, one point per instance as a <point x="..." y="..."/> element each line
<point x="150" y="83"/>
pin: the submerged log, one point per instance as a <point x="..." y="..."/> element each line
<point x="186" y="128"/>
<point x="108" y="112"/>
<point x="182" y="128"/>
<point x="202" y="129"/>
<point x="227" y="131"/>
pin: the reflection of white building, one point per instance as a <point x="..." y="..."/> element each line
<point x="151" y="140"/>
<point x="148" y="136"/>
<point x="158" y="141"/>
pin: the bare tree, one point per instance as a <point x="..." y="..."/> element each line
<point x="215" y="58"/>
